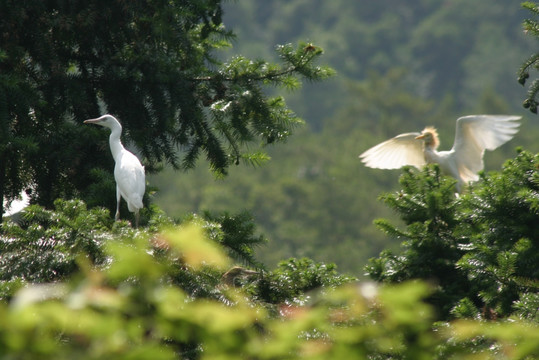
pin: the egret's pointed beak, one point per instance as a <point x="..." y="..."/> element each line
<point x="92" y="121"/>
<point x="422" y="136"/>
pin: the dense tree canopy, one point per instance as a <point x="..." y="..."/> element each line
<point x="479" y="249"/>
<point x="154" y="65"/>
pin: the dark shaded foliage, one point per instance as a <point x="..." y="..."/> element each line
<point x="153" y="65"/>
<point x="531" y="27"/>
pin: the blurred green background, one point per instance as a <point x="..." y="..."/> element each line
<point x="400" y="66"/>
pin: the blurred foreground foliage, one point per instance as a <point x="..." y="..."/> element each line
<point x="107" y="291"/>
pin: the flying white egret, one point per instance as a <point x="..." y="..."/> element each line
<point x="474" y="134"/>
<point x="128" y="171"/>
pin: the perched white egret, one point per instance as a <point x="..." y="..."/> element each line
<point x="128" y="171"/>
<point x="474" y="134"/>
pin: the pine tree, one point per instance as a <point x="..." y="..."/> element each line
<point x="154" y="65"/>
<point x="430" y="242"/>
<point x="480" y="250"/>
<point x="502" y="218"/>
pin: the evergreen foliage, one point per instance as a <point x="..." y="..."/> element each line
<point x="237" y="234"/>
<point x="294" y="279"/>
<point x="531" y="26"/>
<point x="130" y="309"/>
<point x="479" y="250"/>
<point x="155" y="66"/>
<point x="502" y="216"/>
<point x="431" y="241"/>
<point x="46" y="245"/>
<point x="52" y="245"/>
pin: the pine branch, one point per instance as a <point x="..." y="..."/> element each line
<point x="531" y="102"/>
<point x="298" y="61"/>
<point x="531" y="26"/>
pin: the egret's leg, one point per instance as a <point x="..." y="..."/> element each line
<point x="118" y="198"/>
<point x="136" y="218"/>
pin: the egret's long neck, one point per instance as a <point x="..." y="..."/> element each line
<point x="116" y="146"/>
<point x="431" y="155"/>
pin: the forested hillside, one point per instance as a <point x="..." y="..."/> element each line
<point x="449" y="48"/>
<point x="400" y="66"/>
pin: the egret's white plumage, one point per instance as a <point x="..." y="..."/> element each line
<point x="17" y="205"/>
<point x="474" y="135"/>
<point x="128" y="171"/>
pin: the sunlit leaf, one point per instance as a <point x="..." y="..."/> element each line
<point x="195" y="249"/>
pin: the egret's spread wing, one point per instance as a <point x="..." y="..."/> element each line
<point x="475" y="133"/>
<point x="395" y="153"/>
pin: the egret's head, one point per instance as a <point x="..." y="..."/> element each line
<point x="430" y="136"/>
<point x="105" y="120"/>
